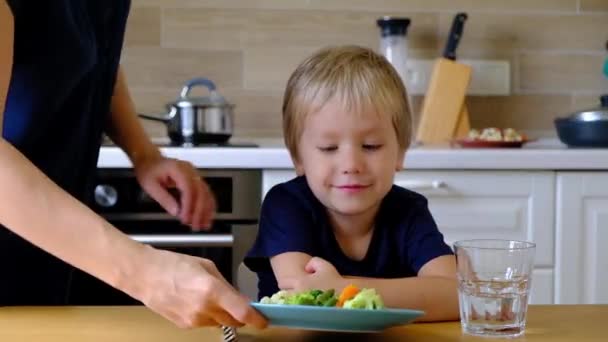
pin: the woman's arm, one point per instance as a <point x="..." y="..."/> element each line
<point x="196" y="206"/>
<point x="186" y="290"/>
<point x="125" y="128"/>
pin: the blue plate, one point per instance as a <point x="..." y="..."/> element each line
<point x="335" y="319"/>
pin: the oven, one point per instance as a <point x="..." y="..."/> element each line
<point x="119" y="198"/>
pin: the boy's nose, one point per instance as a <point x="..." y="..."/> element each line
<point x="351" y="161"/>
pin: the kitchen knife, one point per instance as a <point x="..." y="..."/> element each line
<point x="454" y="36"/>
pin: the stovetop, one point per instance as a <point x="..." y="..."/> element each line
<point x="166" y="143"/>
<point x="203" y="145"/>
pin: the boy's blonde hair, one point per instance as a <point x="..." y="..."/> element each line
<point x="358" y="77"/>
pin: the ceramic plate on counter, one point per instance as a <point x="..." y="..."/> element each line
<point x="335" y="319"/>
<point x="477" y="143"/>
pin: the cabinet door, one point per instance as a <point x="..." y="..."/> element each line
<point x="271" y="178"/>
<point x="490" y="205"/>
<point x="494" y="205"/>
<point x="582" y="237"/>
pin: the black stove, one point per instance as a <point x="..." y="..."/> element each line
<point x="229" y="144"/>
<point x="190" y="145"/>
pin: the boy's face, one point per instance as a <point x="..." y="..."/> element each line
<point x="349" y="160"/>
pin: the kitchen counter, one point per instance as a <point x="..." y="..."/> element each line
<point x="137" y="324"/>
<point x="272" y="154"/>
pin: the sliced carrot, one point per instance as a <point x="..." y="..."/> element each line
<point x="349" y="292"/>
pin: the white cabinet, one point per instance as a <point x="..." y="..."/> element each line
<point x="488" y="205"/>
<point x="582" y="236"/>
<point x="485" y="204"/>
<point x="494" y="205"/>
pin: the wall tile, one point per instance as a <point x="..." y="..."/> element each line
<point x="561" y="73"/>
<point x="170" y="68"/>
<point x="257" y="112"/>
<point x="525" y="31"/>
<point x="522" y="112"/>
<point x="143" y="27"/>
<point x="235" y="28"/>
<point x="594" y="6"/>
<point x="586" y="101"/>
<point x="376" y="5"/>
<point x="269" y="68"/>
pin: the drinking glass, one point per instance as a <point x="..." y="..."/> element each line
<point x="494" y="285"/>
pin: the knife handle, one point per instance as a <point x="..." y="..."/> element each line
<point x="454" y="36"/>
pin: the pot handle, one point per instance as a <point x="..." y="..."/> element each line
<point x="196" y="82"/>
<point x="162" y="118"/>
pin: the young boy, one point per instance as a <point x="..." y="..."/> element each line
<point x="342" y="221"/>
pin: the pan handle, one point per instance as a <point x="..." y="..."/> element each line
<point x="201" y="81"/>
<point x="162" y="118"/>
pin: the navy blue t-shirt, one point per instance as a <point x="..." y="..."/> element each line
<point x="405" y="237"/>
<point x="65" y="61"/>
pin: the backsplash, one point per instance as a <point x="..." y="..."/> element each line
<point x="249" y="48"/>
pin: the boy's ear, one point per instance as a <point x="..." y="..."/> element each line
<point x="299" y="169"/>
<point x="400" y="159"/>
<point x="298" y="166"/>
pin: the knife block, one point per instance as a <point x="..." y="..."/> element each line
<point x="444" y="115"/>
<point x="463" y="126"/>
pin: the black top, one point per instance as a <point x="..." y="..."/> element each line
<point x="66" y="57"/>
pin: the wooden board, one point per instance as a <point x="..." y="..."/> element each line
<point x="443" y="102"/>
<point x="463" y="125"/>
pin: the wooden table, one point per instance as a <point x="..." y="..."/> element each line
<point x="552" y="323"/>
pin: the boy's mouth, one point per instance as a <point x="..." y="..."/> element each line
<point x="352" y="187"/>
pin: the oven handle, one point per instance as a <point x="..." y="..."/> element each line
<point x="185" y="240"/>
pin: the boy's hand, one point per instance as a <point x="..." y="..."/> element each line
<point x="320" y="274"/>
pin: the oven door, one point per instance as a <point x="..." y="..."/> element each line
<point x="220" y="245"/>
<point x="119" y="199"/>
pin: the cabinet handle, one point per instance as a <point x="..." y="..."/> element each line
<point x="185" y="240"/>
<point x="421" y="184"/>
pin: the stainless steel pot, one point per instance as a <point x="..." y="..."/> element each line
<point x="197" y="120"/>
<point x="586" y="128"/>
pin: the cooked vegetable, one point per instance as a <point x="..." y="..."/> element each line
<point x="312" y="297"/>
<point x="350" y="298"/>
<point x="367" y="299"/>
<point x="349" y="292"/>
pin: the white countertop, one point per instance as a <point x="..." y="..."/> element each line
<point x="548" y="154"/>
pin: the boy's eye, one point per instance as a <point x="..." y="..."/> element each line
<point x="330" y="148"/>
<point x="372" y="147"/>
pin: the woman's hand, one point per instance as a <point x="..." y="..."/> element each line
<point x="196" y="206"/>
<point x="190" y="292"/>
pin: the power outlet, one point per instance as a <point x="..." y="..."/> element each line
<point x="489" y="77"/>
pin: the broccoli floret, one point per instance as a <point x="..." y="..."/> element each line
<point x="315" y="293"/>
<point x="280" y="297"/>
<point x="324" y="297"/>
<point x="314" y="297"/>
<point x="366" y="299"/>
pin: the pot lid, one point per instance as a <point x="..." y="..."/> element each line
<point x="215" y="99"/>
<point x="593" y="114"/>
